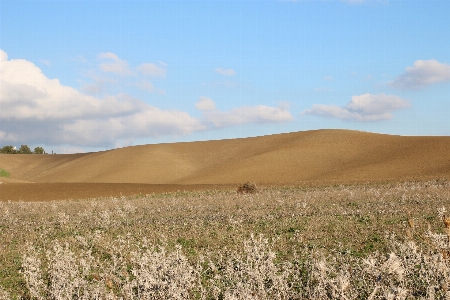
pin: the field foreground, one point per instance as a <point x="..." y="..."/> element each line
<point x="339" y="215"/>
<point x="366" y="241"/>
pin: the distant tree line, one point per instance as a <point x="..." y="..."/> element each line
<point x="24" y="149"/>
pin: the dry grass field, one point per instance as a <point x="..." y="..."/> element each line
<point x="337" y="215"/>
<point x="365" y="241"/>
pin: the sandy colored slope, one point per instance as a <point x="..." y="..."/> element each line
<point x="321" y="155"/>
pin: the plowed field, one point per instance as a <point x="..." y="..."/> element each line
<point x="299" y="158"/>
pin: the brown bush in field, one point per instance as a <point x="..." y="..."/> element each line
<point x="247" y="188"/>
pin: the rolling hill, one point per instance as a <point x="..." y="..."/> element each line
<point x="283" y="159"/>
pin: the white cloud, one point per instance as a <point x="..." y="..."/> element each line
<point x="3" y="56"/>
<point x="147" y="122"/>
<point x="145" y="85"/>
<point x="215" y="118"/>
<point x="365" y="107"/>
<point x="247" y="114"/>
<point x="99" y="85"/>
<point x="94" y="88"/>
<point x="116" y="65"/>
<point x="226" y="72"/>
<point x="36" y="109"/>
<point x="39" y="110"/>
<point x="422" y="74"/>
<point x="108" y="55"/>
<point x="205" y="104"/>
<point x="152" y="69"/>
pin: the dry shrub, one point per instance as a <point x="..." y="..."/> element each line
<point x="247" y="188"/>
<point x="409" y="271"/>
<point x="4" y="295"/>
<point x="296" y="243"/>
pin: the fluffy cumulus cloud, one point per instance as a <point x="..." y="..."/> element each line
<point x="114" y="69"/>
<point x="367" y="107"/>
<point x="153" y="69"/>
<point x="226" y="72"/>
<point x="205" y="104"/>
<point x="215" y="118"/>
<point x="99" y="84"/>
<point x="423" y="73"/>
<point x="36" y="109"/>
<point x="113" y="64"/>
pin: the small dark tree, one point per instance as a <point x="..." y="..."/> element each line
<point x="8" y="150"/>
<point x="24" y="149"/>
<point x="39" y="150"/>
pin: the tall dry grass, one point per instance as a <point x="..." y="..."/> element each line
<point x="387" y="241"/>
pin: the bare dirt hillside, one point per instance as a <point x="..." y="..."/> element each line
<point x="290" y="159"/>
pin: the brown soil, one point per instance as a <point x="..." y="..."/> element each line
<point x="309" y="157"/>
<point x="59" y="191"/>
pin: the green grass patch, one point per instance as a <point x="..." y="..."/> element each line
<point x="4" y="173"/>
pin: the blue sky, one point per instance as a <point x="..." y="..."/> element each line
<point x="93" y="75"/>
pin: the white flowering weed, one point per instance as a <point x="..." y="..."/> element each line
<point x="387" y="241"/>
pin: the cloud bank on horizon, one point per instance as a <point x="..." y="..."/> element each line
<point x="222" y="85"/>
<point x="40" y="109"/>
<point x="365" y="107"/>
